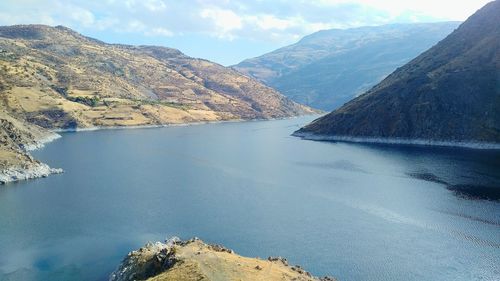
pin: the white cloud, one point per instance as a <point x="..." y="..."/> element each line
<point x="158" y="31"/>
<point x="130" y="4"/>
<point x="155" y="5"/>
<point x="135" y="26"/>
<point x="106" y="23"/>
<point x="278" y="21"/>
<point x="225" y="21"/>
<point x="82" y="16"/>
<point x="267" y="22"/>
<point x="441" y="9"/>
<point x="7" y="18"/>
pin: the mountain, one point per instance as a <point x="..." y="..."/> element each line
<point x="55" y="78"/>
<point x="194" y="260"/>
<point x="330" y="67"/>
<point x="450" y="93"/>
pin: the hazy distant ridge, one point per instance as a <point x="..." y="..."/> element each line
<point x="330" y="67"/>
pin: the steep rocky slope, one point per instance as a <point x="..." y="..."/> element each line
<point x="450" y="93"/>
<point x="194" y="260"/>
<point x="330" y="67"/>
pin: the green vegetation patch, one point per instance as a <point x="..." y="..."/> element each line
<point x="90" y="101"/>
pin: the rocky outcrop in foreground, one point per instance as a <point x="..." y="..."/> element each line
<point x="194" y="260"/>
<point x="449" y="95"/>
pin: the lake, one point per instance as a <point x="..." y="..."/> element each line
<point x="352" y="211"/>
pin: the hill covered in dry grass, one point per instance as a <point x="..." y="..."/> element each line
<point x="56" y="78"/>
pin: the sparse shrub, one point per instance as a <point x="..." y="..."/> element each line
<point x="60" y="90"/>
<point x="90" y="101"/>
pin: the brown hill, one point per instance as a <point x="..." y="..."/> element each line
<point x="57" y="78"/>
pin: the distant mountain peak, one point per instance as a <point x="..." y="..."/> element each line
<point x="329" y="67"/>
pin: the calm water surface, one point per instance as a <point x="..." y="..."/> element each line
<point x="356" y="212"/>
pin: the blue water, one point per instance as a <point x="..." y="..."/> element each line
<point x="356" y="212"/>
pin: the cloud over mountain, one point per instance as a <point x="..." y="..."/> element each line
<point x="280" y="21"/>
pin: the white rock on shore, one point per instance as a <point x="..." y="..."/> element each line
<point x="419" y="142"/>
<point x="35" y="170"/>
<point x="41" y="142"/>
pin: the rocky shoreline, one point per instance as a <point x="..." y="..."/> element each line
<point x="195" y="260"/>
<point x="98" y="128"/>
<point x="30" y="168"/>
<point x="29" y="171"/>
<point x="401" y="141"/>
<point x="40" y="143"/>
<point x="153" y="126"/>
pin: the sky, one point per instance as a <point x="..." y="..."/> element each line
<point x="224" y="31"/>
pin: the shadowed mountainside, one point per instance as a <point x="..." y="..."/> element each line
<point x="450" y="93"/>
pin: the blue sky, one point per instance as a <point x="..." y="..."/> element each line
<point x="224" y="31"/>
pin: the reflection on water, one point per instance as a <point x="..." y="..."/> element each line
<point x="339" y="165"/>
<point x="354" y="211"/>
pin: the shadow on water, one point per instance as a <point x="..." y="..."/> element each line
<point x="427" y="177"/>
<point x="480" y="184"/>
<point x="467" y="191"/>
<point x="476" y="191"/>
<point x="337" y="165"/>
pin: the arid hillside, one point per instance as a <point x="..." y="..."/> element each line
<point x="57" y="78"/>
